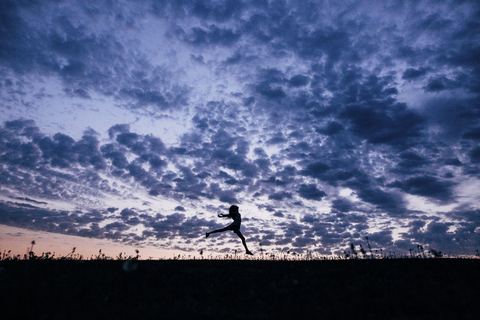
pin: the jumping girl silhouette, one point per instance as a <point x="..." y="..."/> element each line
<point x="234" y="226"/>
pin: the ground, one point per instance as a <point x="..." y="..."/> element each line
<point x="241" y="289"/>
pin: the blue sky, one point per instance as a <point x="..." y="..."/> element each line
<point x="325" y="122"/>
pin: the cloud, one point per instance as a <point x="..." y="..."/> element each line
<point x="297" y="108"/>
<point x="342" y="205"/>
<point x="213" y="35"/>
<point x="311" y="192"/>
<point x="279" y="196"/>
<point x="394" y="125"/>
<point x="220" y="12"/>
<point x="385" y="200"/>
<point x="316" y="169"/>
<point x="332" y="128"/>
<point x="81" y="57"/>
<point x="298" y="81"/>
<point x="428" y="186"/>
<point x="411" y="74"/>
<point x="475" y="155"/>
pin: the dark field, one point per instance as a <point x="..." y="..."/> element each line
<point x="240" y="289"/>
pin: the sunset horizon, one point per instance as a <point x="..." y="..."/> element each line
<point x="133" y="124"/>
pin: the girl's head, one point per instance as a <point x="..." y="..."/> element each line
<point x="233" y="209"/>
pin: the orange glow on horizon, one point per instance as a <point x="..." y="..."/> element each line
<point x="19" y="241"/>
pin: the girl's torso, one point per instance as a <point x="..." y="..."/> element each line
<point x="237" y="218"/>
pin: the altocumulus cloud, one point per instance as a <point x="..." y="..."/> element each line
<point x="325" y="123"/>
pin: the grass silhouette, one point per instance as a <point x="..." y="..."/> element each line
<point x="281" y="285"/>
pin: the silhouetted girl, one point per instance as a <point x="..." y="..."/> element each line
<point x="234" y="226"/>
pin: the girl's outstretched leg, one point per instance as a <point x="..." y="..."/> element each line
<point x="215" y="231"/>
<point x="243" y="241"/>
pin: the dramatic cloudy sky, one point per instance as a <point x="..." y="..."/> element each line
<point x="325" y="121"/>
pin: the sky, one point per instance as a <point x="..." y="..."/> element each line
<point x="137" y="122"/>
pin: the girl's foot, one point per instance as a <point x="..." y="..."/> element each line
<point x="248" y="252"/>
<point x="207" y="234"/>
